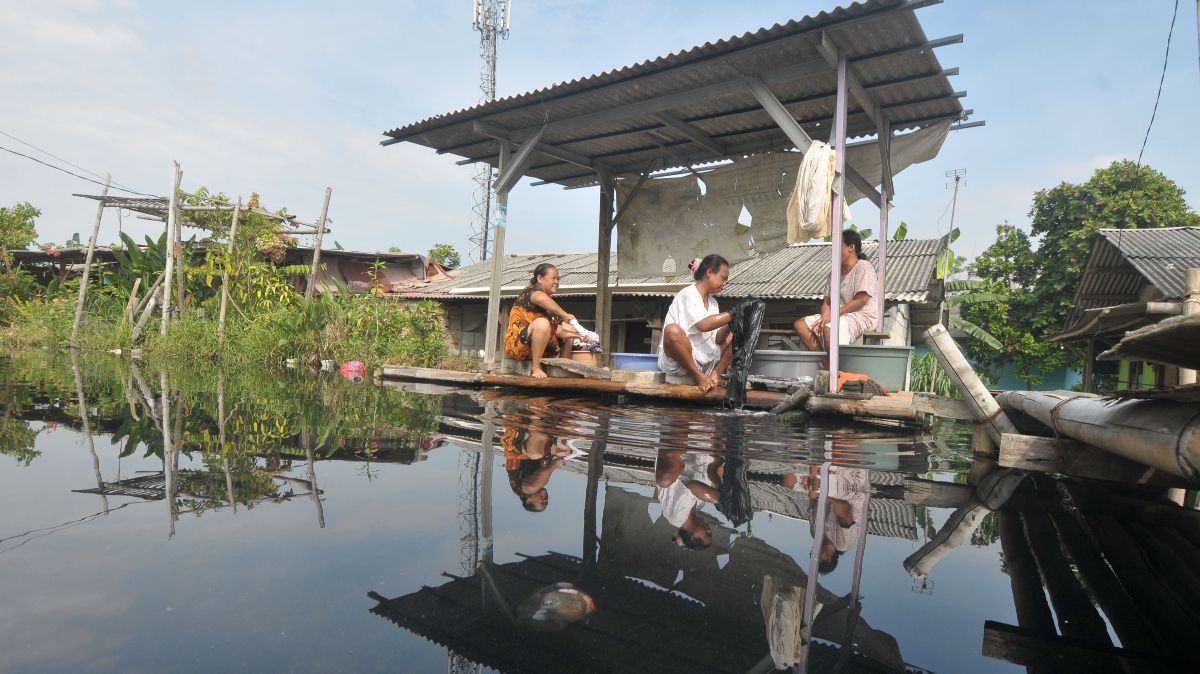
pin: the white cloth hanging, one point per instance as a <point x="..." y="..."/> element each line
<point x="810" y="206"/>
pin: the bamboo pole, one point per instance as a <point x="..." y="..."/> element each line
<point x="237" y="211"/>
<point x="168" y="471"/>
<point x="312" y="275"/>
<point x="976" y="395"/>
<point x="149" y="294"/>
<point x="127" y="317"/>
<point x="312" y="474"/>
<point x="88" y="440"/>
<point x="1163" y="434"/>
<point x="87" y="263"/>
<point x="141" y="324"/>
<point x="221" y="431"/>
<point x="1191" y="305"/>
<point x="169" y="266"/>
<point x="177" y="250"/>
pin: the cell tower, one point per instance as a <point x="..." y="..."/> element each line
<point x="492" y="19"/>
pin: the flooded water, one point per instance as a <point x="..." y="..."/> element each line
<point x="255" y="521"/>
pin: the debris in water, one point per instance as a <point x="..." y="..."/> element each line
<point x="553" y="607"/>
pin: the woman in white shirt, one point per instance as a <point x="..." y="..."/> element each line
<point x="696" y="337"/>
<point x="859" y="311"/>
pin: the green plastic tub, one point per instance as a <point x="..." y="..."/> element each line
<point x="888" y="365"/>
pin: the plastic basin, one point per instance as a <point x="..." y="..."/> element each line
<point x="635" y="361"/>
<point x="888" y="365"/>
<point x="786" y="364"/>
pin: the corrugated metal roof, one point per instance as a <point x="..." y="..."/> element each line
<point x="884" y="41"/>
<point x="795" y="273"/>
<point x="1122" y="261"/>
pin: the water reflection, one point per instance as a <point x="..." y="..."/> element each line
<point x="691" y="539"/>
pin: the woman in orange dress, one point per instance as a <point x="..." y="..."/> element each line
<point x="537" y="324"/>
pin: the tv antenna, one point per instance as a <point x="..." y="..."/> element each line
<point x="492" y="19"/>
<point x="957" y="175"/>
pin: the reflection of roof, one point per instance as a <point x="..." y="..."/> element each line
<point x="616" y="118"/>
<point x="796" y="272"/>
<point x="1122" y="261"/>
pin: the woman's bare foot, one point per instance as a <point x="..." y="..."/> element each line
<point x="716" y="380"/>
<point x="703" y="381"/>
<point x="538" y="373"/>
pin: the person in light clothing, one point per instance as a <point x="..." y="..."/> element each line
<point x="859" y="311"/>
<point x="697" y="341"/>
<point x="688" y="480"/>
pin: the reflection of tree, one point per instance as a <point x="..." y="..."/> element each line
<point x="988" y="531"/>
<point x="16" y="439"/>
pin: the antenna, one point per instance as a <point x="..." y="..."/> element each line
<point x="492" y="18"/>
<point x="957" y="174"/>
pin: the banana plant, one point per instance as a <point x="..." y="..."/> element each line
<point x="970" y="291"/>
<point x="946" y="258"/>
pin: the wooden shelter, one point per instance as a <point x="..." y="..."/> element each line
<point x="771" y="90"/>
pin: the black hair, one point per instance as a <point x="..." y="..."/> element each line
<point x="852" y="238"/>
<point x="824" y="567"/>
<point x="711" y="262"/>
<point x="690" y="541"/>
<point x="540" y="271"/>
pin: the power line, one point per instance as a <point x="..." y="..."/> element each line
<point x="54" y="156"/>
<point x="70" y="173"/>
<point x="1161" y="79"/>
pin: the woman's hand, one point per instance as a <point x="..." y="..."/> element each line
<point x="567" y="318"/>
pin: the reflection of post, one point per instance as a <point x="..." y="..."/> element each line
<point x="814" y="561"/>
<point x="595" y="472"/>
<point x="306" y="438"/>
<point x="88" y="440"/>
<point x="221" y="430"/>
<point x="168" y="469"/>
<point x="485" y="486"/>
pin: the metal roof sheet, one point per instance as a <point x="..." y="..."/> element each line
<point x="794" y="273"/>
<point x="1122" y="261"/>
<point x="884" y="41"/>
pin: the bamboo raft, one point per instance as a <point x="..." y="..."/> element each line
<point x="897" y="407"/>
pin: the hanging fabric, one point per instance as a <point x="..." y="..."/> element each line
<point x="745" y="326"/>
<point x="810" y="206"/>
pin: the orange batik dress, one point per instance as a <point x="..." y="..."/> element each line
<point x="524" y="312"/>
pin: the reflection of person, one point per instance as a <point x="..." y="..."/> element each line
<point x="687" y="479"/>
<point x="536" y="323"/>
<point x="696" y="337"/>
<point x="859" y="310"/>
<point x="845" y="510"/>
<point x="530" y="458"/>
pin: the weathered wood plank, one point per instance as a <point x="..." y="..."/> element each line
<point x="936" y="494"/>
<point x="941" y="406"/>
<point x="896" y="406"/>
<point x="979" y="400"/>
<point x="1033" y="452"/>
<point x="1031" y="648"/>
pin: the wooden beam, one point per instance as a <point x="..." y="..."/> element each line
<point x="934" y="494"/>
<point x="512" y="171"/>
<point x="1070" y="457"/>
<point x="1077" y="616"/>
<point x="1031" y="648"/>
<point x="942" y="406"/>
<point x="1029" y="600"/>
<point x="693" y="133"/>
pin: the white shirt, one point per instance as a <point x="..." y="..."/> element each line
<point x="678" y="500"/>
<point x="688" y="309"/>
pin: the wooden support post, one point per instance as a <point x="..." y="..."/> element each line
<point x="169" y="268"/>
<point x="982" y="442"/>
<point x="312" y="475"/>
<point x="87" y="264"/>
<point x="839" y="197"/>
<point x="229" y="493"/>
<point x="1077" y="616"/>
<point x="603" y="258"/>
<point x="88" y="439"/>
<point x="1089" y="367"/>
<point x="177" y="251"/>
<point x="1191" y="305"/>
<point x="128" y="316"/>
<point x="1033" y="613"/>
<point x="978" y="398"/>
<point x="316" y="260"/>
<point x="486" y="542"/>
<point x="168" y="470"/>
<point x="237" y="212"/>
<point x="491" y="329"/>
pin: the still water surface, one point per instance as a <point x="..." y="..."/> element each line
<point x="301" y="523"/>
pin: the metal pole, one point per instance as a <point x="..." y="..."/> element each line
<point x="885" y="197"/>
<point x="87" y="263"/>
<point x="169" y="268"/>
<point x="839" y="181"/>
<point x="312" y="275"/>
<point x="237" y="212"/>
<point x="493" y="308"/>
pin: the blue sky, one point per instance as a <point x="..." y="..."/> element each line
<point x="285" y="98"/>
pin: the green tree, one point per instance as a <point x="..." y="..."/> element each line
<point x="17" y="230"/>
<point x="445" y="255"/>
<point x="1037" y="274"/>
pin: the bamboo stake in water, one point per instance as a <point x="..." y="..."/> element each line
<point x="87" y="263"/>
<point x="237" y="212"/>
<point x="169" y="253"/>
<point x="312" y="276"/>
